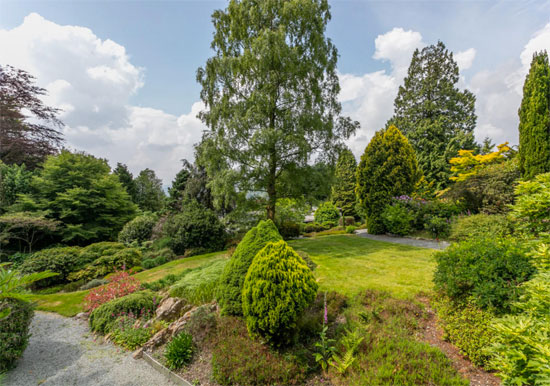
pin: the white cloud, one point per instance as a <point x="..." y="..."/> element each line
<point x="92" y="80"/>
<point x="464" y="59"/>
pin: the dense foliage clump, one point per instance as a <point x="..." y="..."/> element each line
<point x="278" y="287"/>
<point x="327" y="213"/>
<point x="232" y="279"/>
<point x="61" y="260"/>
<point x="138" y="230"/>
<point x="343" y="186"/>
<point x="530" y="211"/>
<point x="179" y="351"/>
<point x="488" y="270"/>
<point x="199" y="286"/>
<point x="14" y="331"/>
<point x="122" y="259"/>
<point x="479" y="226"/>
<point x="388" y="169"/>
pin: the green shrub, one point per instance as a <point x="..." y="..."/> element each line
<point x="480" y="225"/>
<point x="397" y="219"/>
<point x="138" y="230"/>
<point x="195" y="227"/>
<point x="530" y="211"/>
<point x="521" y="346"/>
<point x="127" y="334"/>
<point x="14" y="332"/>
<point x="272" y="307"/>
<point x="327" y="212"/>
<point x="232" y="279"/>
<point x="438" y="227"/>
<point x="467" y="327"/>
<point x="179" y="351"/>
<point x="346" y="221"/>
<point x="153" y="258"/>
<point x="489" y="270"/>
<point x="327" y="225"/>
<point x="199" y="285"/>
<point x="124" y="258"/>
<point x="351" y="229"/>
<point x="103" y="317"/>
<point x="62" y="260"/>
<point x="314" y="227"/>
<point x="94" y="251"/>
<point x="239" y="360"/>
<point x="93" y="284"/>
<point x="289" y="230"/>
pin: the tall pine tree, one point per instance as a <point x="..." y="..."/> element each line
<point x="343" y="188"/>
<point x="436" y="117"/>
<point x="534" y="119"/>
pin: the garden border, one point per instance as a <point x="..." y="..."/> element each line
<point x="165" y="370"/>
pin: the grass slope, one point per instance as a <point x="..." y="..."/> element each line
<point x="349" y="264"/>
<point x="70" y="303"/>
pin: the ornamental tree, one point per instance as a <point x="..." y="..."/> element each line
<point x="271" y="94"/>
<point x="26" y="227"/>
<point x="387" y="169"/>
<point x="436" y="117"/>
<point x="343" y="188"/>
<point x="534" y="119"/>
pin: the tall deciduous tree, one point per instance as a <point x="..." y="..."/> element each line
<point x="387" y="169"/>
<point x="343" y="189"/>
<point x="436" y="117"/>
<point x="534" y="119"/>
<point x="271" y="93"/>
<point x="29" y="130"/>
<point x="149" y="193"/>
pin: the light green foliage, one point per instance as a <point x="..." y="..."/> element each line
<point x="14" y="180"/>
<point x="436" y="117"/>
<point x="466" y="326"/>
<point x="534" y="119"/>
<point x="343" y="188"/>
<point x="327" y="212"/>
<point x="350" y="342"/>
<point x="126" y="334"/>
<point x="271" y="94"/>
<point x="78" y="190"/>
<point x="397" y="219"/>
<point x="179" y="351"/>
<point x="277" y="289"/>
<point x="351" y="229"/>
<point x="521" y="346"/>
<point x="13" y="284"/>
<point x="388" y="169"/>
<point x="149" y="193"/>
<point x="480" y="225"/>
<point x="122" y="259"/>
<point x="196" y="227"/>
<point x="62" y="260"/>
<point x="290" y="210"/>
<point x="103" y="318"/>
<point x="138" y="230"/>
<point x="231" y="282"/>
<point x="530" y="211"/>
<point x="540" y="257"/>
<point x="199" y="286"/>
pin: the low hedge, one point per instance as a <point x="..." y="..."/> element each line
<point x="14" y="332"/>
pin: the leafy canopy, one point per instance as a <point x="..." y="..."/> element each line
<point x="271" y="94"/>
<point x="468" y="164"/>
<point x="436" y="117"/>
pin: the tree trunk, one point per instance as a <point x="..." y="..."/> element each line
<point x="271" y="192"/>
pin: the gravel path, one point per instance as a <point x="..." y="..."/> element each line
<point x="62" y="352"/>
<point x="432" y="244"/>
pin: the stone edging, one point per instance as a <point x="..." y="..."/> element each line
<point x="165" y="371"/>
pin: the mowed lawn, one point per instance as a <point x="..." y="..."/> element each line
<point x="349" y="264"/>
<point x="70" y="303"/>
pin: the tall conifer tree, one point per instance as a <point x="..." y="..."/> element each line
<point x="343" y="188"/>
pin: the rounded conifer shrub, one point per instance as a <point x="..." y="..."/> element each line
<point x="278" y="287"/>
<point x="231" y="282"/>
<point x="138" y="230"/>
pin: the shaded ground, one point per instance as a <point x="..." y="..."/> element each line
<point x="432" y="244"/>
<point x="62" y="352"/>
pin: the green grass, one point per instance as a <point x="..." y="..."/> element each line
<point x="70" y="303"/>
<point x="349" y="264"/>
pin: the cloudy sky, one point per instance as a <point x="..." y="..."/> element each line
<point x="124" y="71"/>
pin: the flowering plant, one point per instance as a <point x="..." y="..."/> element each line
<point x="120" y="284"/>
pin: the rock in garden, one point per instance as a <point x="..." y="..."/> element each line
<point x="170" y="309"/>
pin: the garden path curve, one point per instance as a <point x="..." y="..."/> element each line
<point x="62" y="352"/>
<point x="432" y="244"/>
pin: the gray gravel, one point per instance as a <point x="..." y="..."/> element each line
<point x="62" y="352"/>
<point x="431" y="244"/>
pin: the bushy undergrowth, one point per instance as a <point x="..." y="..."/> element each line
<point x="327" y="212"/>
<point x="14" y="332"/>
<point x="152" y="259"/>
<point x="397" y="219"/>
<point x="278" y="287"/>
<point x="479" y="226"/>
<point x="125" y="333"/>
<point x="239" y="360"/>
<point x="119" y="285"/>
<point x="124" y="258"/>
<point x="232" y="279"/>
<point x="488" y="270"/>
<point x="138" y="230"/>
<point x="467" y="327"/>
<point x="62" y="260"/>
<point x="530" y="211"/>
<point x="199" y="285"/>
<point x="102" y="319"/>
<point x="179" y="351"/>
<point x="94" y="251"/>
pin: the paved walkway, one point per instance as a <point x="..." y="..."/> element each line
<point x="61" y="352"/>
<point x="432" y="244"/>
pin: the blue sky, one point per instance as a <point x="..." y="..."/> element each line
<point x="158" y="46"/>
